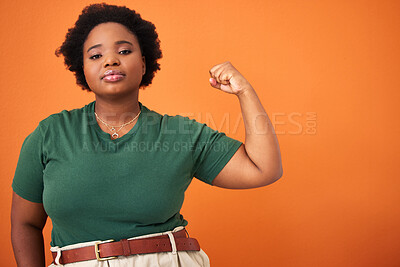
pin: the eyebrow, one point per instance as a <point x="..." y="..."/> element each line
<point x="117" y="43"/>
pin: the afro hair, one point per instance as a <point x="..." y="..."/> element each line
<point x="95" y="14"/>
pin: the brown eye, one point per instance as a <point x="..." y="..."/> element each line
<point x="95" y="56"/>
<point x="125" y="52"/>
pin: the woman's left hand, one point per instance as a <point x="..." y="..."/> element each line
<point x="228" y="79"/>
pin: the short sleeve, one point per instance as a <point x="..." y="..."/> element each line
<point x="211" y="150"/>
<point x="28" y="178"/>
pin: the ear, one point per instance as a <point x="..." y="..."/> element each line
<point x="144" y="65"/>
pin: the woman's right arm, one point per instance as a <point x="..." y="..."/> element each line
<point x="27" y="222"/>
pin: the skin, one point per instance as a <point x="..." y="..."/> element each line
<point x="256" y="163"/>
<point x="116" y="102"/>
<point x="27" y="222"/>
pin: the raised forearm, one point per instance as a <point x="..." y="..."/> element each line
<point x="28" y="245"/>
<point x="261" y="143"/>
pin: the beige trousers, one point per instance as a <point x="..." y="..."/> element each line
<point x="163" y="259"/>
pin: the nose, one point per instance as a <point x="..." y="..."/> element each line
<point x="111" y="60"/>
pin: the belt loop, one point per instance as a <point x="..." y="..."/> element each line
<point x="187" y="233"/>
<point x="172" y="240"/>
<point x="125" y="247"/>
<point x="57" y="259"/>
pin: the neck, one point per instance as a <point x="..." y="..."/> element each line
<point x="117" y="112"/>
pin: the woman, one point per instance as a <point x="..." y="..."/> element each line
<point x="115" y="169"/>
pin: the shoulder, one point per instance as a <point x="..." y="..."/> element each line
<point x="167" y="120"/>
<point x="152" y="113"/>
<point x="66" y="117"/>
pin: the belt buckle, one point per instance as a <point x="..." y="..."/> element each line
<point x="97" y="251"/>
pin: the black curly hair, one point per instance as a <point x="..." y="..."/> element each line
<point x="95" y="14"/>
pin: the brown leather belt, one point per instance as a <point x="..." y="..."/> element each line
<point x="106" y="250"/>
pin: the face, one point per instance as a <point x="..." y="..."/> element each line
<point x="112" y="61"/>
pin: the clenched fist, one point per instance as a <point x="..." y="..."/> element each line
<point x="228" y="79"/>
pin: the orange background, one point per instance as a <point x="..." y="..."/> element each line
<point x="326" y="74"/>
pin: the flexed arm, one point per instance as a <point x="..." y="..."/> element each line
<point x="258" y="162"/>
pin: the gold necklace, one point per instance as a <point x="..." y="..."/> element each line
<point x="115" y="134"/>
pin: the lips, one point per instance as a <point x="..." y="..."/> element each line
<point x="112" y="75"/>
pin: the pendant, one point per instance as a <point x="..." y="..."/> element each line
<point x="114" y="135"/>
<point x="112" y="129"/>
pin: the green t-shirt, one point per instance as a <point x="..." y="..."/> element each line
<point x="95" y="188"/>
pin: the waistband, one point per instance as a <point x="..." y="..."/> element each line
<point x="169" y="241"/>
